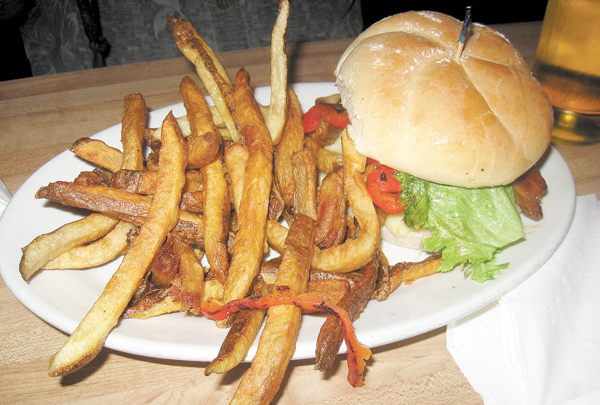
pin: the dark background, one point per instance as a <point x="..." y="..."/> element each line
<point x="49" y="44"/>
<point x="484" y="12"/>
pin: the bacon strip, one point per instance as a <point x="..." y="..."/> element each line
<point x="529" y="190"/>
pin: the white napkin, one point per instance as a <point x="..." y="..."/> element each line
<point x="5" y="197"/>
<point x="540" y="344"/>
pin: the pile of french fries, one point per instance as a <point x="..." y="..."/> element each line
<point x="224" y="185"/>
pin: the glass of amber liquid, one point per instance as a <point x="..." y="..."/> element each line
<point x="567" y="64"/>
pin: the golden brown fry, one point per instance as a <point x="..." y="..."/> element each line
<point x="50" y="245"/>
<point x="135" y="181"/>
<point x="353" y="253"/>
<point x="202" y="148"/>
<point x="99" y="153"/>
<point x="87" y="339"/>
<point x="205" y="141"/>
<point x="95" y="177"/>
<point x="406" y="272"/>
<point x="278" y="340"/>
<point x="331" y="211"/>
<point x="191" y="272"/>
<point x="331" y="334"/>
<point x="96" y="253"/>
<point x="120" y="204"/>
<point x="292" y="141"/>
<point x="276" y="116"/>
<point x="250" y="238"/>
<point x="240" y="337"/>
<point x="198" y="111"/>
<point x="327" y="161"/>
<point x="304" y="170"/>
<point x="165" y="265"/>
<point x="217" y="207"/>
<point x="144" y="181"/>
<point x="155" y="303"/>
<point x="192" y="202"/>
<point x="236" y="156"/>
<point x="208" y="67"/>
<point x="133" y="126"/>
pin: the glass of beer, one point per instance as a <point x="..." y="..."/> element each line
<point x="567" y="64"/>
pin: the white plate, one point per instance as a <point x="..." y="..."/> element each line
<point x="62" y="298"/>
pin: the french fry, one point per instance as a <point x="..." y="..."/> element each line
<point x="236" y="156"/>
<point x="165" y="265"/>
<point x="331" y="211"/>
<point x="250" y="237"/>
<point x="191" y="272"/>
<point x="155" y="303"/>
<point x="144" y="181"/>
<point x="135" y="181"/>
<point x="240" y="337"/>
<point x="133" y="125"/>
<point x="213" y="75"/>
<point x="278" y="340"/>
<point x="122" y="205"/>
<point x="331" y="334"/>
<point x="99" y="153"/>
<point x="292" y="141"/>
<point x="51" y="245"/>
<point x="276" y="115"/>
<point x="327" y="161"/>
<point x="192" y="202"/>
<point x="96" y="253"/>
<point x="204" y="143"/>
<point x="217" y="207"/>
<point x="358" y="354"/>
<point x="353" y="253"/>
<point x="304" y="171"/>
<point x="202" y="148"/>
<point x="87" y="339"/>
<point x="406" y="272"/>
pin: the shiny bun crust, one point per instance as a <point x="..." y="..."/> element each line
<point x="474" y="121"/>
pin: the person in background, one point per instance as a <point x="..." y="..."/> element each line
<point x="137" y="30"/>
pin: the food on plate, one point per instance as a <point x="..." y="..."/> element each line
<point x="249" y="242"/>
<point x="354" y="301"/>
<point x="100" y="251"/>
<point x="277" y="113"/>
<point x="277" y="342"/>
<point x="87" y="339"/>
<point x="223" y="187"/>
<point x="50" y="245"/>
<point x="358" y="354"/>
<point x="99" y="153"/>
<point x="209" y="68"/>
<point x="457" y="123"/>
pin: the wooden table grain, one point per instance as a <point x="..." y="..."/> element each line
<point x="42" y="116"/>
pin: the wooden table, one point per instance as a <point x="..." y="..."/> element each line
<point x="42" y="116"/>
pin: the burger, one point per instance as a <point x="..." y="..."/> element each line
<point x="454" y="123"/>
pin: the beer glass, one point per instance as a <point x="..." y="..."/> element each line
<point x="567" y="64"/>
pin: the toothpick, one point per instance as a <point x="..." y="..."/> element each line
<point x="463" y="33"/>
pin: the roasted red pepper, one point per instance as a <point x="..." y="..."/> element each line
<point x="358" y="354"/>
<point x="313" y="116"/>
<point x="385" y="189"/>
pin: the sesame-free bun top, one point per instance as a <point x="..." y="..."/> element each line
<point x="478" y="120"/>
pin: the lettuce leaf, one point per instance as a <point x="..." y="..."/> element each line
<point x="469" y="226"/>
